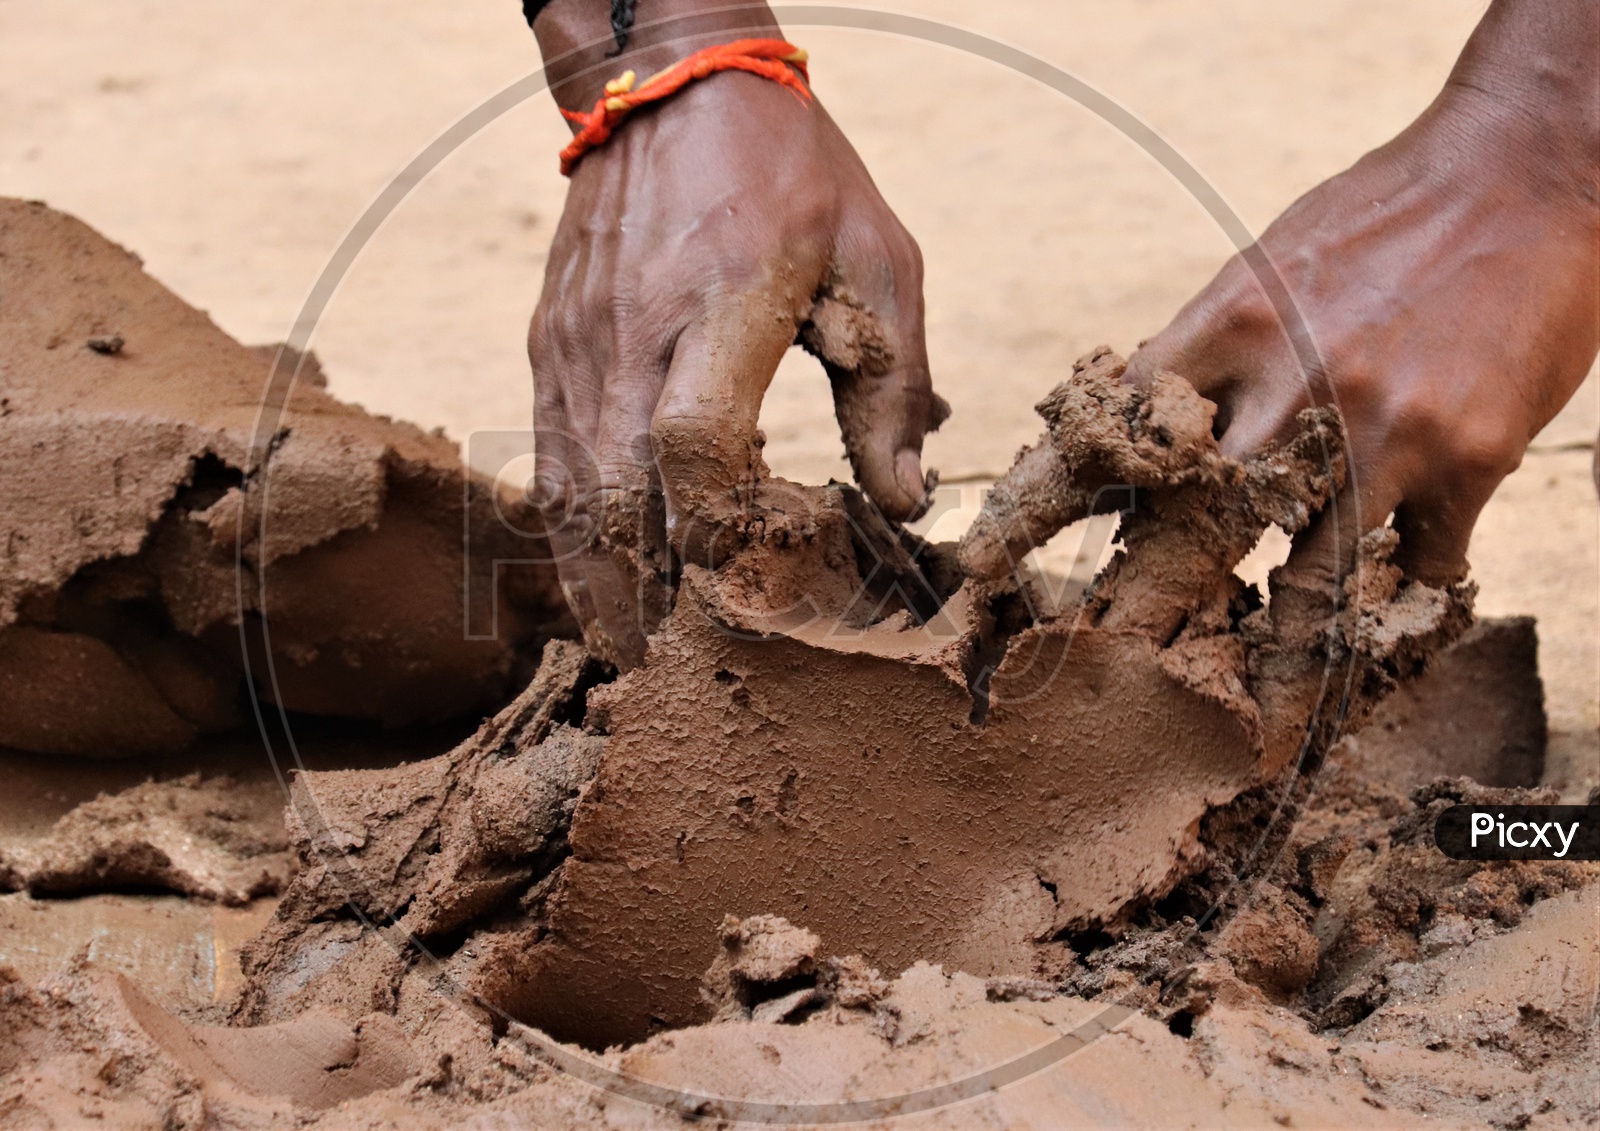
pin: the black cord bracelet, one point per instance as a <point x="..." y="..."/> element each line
<point x="621" y="22"/>
<point x="621" y="18"/>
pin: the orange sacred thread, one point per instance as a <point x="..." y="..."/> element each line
<point x="769" y="58"/>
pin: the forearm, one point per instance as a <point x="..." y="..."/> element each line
<point x="1532" y="72"/>
<point x="575" y="39"/>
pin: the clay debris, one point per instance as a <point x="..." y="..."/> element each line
<point x="1478" y="712"/>
<point x="1353" y="890"/>
<point x="1488" y="1027"/>
<point x="769" y="972"/>
<point x="964" y="788"/>
<point x="89" y="1044"/>
<point x="194" y="836"/>
<point x="425" y="852"/>
<point x="134" y="487"/>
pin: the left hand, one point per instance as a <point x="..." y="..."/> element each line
<point x="1442" y="293"/>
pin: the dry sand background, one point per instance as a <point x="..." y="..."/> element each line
<point x="232" y="144"/>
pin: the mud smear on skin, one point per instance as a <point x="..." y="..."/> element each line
<point x="125" y="451"/>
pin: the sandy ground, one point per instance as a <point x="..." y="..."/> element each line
<point x="233" y="146"/>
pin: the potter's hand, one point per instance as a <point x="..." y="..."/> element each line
<point x="697" y="243"/>
<point x="1447" y="286"/>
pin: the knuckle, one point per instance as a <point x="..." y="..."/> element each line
<point x="682" y="431"/>
<point x="1472" y="447"/>
<point x="719" y="277"/>
<point x="1484" y="450"/>
<point x="1415" y="419"/>
<point x="1245" y="310"/>
<point x="1236" y="300"/>
<point x="1356" y="387"/>
<point x="554" y="334"/>
<point x="552" y="492"/>
<point x="904" y="249"/>
<point x="571" y="326"/>
<point x="621" y="307"/>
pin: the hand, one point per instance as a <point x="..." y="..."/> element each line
<point x="710" y="232"/>
<point x="1447" y="286"/>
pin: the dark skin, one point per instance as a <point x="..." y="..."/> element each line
<point x="693" y="248"/>
<point x="1448" y="284"/>
<point x="1446" y="288"/>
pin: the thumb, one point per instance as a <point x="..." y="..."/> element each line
<point x="867" y="330"/>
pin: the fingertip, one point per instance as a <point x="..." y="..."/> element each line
<point x="914" y="485"/>
<point x="1137" y="372"/>
<point x="897" y="486"/>
<point x="1152" y="354"/>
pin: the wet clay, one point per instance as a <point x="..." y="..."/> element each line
<point x="424" y="852"/>
<point x="1477" y="713"/>
<point x="840" y="763"/>
<point x="194" y="836"/>
<point x="944" y="791"/>
<point x="1490" y="1026"/>
<point x="134" y="487"/>
<point x="962" y="786"/>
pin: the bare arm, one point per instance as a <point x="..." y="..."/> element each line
<point x="694" y="247"/>
<point x="1449" y="287"/>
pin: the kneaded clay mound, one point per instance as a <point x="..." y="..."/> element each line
<point x="964" y="784"/>
<point x="900" y="841"/>
<point x="136" y="488"/>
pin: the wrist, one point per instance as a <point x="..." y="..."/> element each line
<point x="575" y="39"/>
<point x="1526" y="86"/>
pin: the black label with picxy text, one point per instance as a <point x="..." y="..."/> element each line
<point x="1519" y="832"/>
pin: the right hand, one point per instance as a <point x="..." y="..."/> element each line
<point x="696" y="244"/>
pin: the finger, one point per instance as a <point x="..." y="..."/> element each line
<point x="1231" y="343"/>
<point x="1324" y="553"/>
<point x="561" y="460"/>
<point x="567" y="524"/>
<point x="1448" y="490"/>
<point x="617" y="559"/>
<point x="1252" y="418"/>
<point x="868" y="330"/>
<point x="1221" y="336"/>
<point x="572" y="346"/>
<point x="629" y="574"/>
<point x="1434" y="536"/>
<point x="704" y="429"/>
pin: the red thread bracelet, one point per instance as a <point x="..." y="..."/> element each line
<point x="769" y="58"/>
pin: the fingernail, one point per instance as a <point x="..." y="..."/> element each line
<point x="908" y="474"/>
